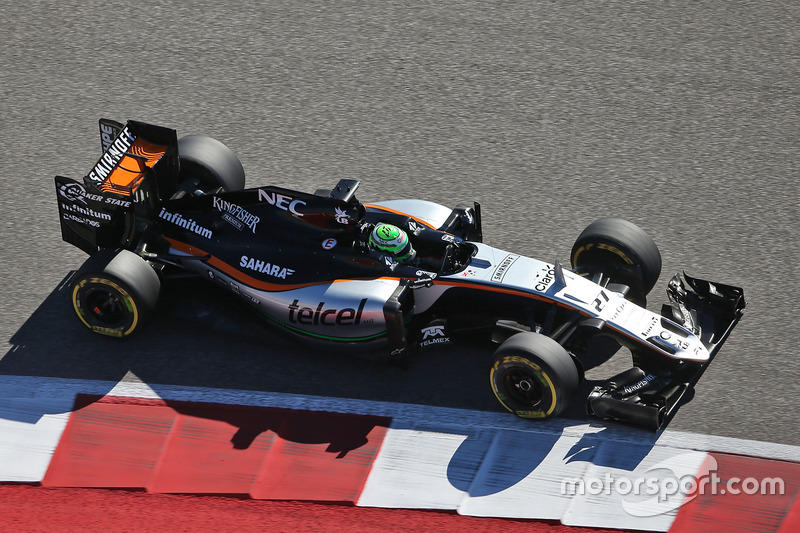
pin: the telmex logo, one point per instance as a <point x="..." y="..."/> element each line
<point x="432" y="331"/>
<point x="281" y="201"/>
<point x="433" y="335"/>
<point x="320" y="316"/>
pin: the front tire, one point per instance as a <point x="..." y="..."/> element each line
<point x="114" y="293"/>
<point x="621" y="251"/>
<point x="533" y="376"/>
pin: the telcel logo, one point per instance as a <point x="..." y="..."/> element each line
<point x="310" y="316"/>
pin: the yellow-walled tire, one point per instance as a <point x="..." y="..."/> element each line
<point x="115" y="292"/>
<point x="620" y="249"/>
<point x="533" y="376"/>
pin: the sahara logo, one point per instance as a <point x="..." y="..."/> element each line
<point x="265" y="268"/>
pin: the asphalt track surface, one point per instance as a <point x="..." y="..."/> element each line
<point x="681" y="117"/>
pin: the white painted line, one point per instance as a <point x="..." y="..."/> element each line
<point x="29" y="433"/>
<point x="46" y="387"/>
<point x="631" y="487"/>
<point x="522" y="474"/>
<point x="411" y="470"/>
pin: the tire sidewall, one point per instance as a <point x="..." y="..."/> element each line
<point x="126" y="277"/>
<point x="545" y="407"/>
<point x="82" y="289"/>
<point x="543" y="359"/>
<point x="623" y="242"/>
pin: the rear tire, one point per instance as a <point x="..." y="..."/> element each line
<point x="115" y="292"/>
<point x="620" y="250"/>
<point x="533" y="376"/>
<point x="210" y="163"/>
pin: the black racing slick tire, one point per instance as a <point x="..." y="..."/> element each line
<point x="533" y="376"/>
<point x="210" y="163"/>
<point x="115" y="292"/>
<point x="620" y="250"/>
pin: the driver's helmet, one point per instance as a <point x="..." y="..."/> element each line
<point x="392" y="241"/>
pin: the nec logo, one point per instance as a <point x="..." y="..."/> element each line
<point x="281" y="201"/>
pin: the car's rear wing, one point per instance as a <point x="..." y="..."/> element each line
<point x="139" y="165"/>
<point x="132" y="153"/>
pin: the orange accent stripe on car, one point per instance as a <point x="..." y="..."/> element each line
<point x="246" y="279"/>
<point x="396" y="212"/>
<point x="491" y="288"/>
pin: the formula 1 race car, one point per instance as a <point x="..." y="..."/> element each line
<point x="396" y="277"/>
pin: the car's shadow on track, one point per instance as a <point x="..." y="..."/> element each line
<point x="201" y="337"/>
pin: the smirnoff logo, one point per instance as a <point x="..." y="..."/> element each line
<point x="502" y="268"/>
<point x="112" y="156"/>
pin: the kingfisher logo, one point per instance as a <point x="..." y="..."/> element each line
<point x="236" y="215"/>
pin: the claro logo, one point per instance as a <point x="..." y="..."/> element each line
<point x="320" y="316"/>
